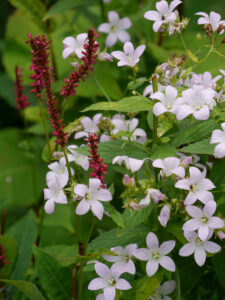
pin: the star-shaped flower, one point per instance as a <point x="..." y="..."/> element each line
<point x="218" y="137"/>
<point x="156" y="255"/>
<point x="169" y="166"/>
<point x="132" y="164"/>
<point x="74" y="46"/>
<point x="77" y="157"/>
<point x="116" y="29"/>
<point x="129" y="57"/>
<point x="214" y="19"/>
<point x="163" y="290"/>
<point x="91" y="198"/>
<point x="109" y="281"/>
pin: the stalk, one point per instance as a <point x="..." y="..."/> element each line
<point x="155" y="119"/>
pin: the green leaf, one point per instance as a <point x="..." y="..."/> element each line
<point x="116" y="237"/>
<point x="64" y="254"/>
<point x="116" y="216"/>
<point x="53" y="278"/>
<point x="146" y="287"/>
<point x="192" y="56"/>
<point x="219" y="263"/>
<point x="162" y="151"/>
<point x="10" y="246"/>
<point x="203" y="147"/>
<point x="24" y="231"/>
<point x="194" y="133"/>
<point x="35" y="8"/>
<point x="27" y="288"/>
<point x="132" y="85"/>
<point x="132" y="104"/>
<point x="7" y="90"/>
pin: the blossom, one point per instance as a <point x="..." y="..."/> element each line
<point x="163" y="15"/>
<point x="105" y="56"/>
<point x="163" y="290"/>
<point x="91" y="197"/>
<point x="214" y="19"/>
<point x="197" y="101"/>
<point x="197" y="185"/>
<point x="164" y="215"/>
<point x="198" y="247"/>
<point x="169" y="166"/>
<point x="115" y="29"/>
<point x="129" y="126"/>
<point x="77" y="157"/>
<point x="203" y="220"/>
<point x="122" y="261"/>
<point x="218" y="137"/>
<point x="168" y="101"/>
<point x="127" y="180"/>
<point x="109" y="281"/>
<point x="204" y="79"/>
<point x="129" y="57"/>
<point x="149" y="89"/>
<point x="156" y="255"/>
<point x="132" y="164"/>
<point x="89" y="126"/>
<point x="74" y="46"/>
<point x="54" y="194"/>
<point x="59" y="170"/>
<point x="21" y="99"/>
<point x="153" y="194"/>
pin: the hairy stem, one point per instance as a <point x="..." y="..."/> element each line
<point x="67" y="164"/>
<point x="155" y="119"/>
<point x="46" y="130"/>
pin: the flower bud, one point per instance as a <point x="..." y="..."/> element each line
<point x="164" y="215"/>
<point x="221" y="235"/>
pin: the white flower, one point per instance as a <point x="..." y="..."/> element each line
<point x="100" y="297"/>
<point x="149" y="89"/>
<point x="164" y="215"/>
<point x="129" y="57"/>
<point x="132" y="164"/>
<point x="198" y="186"/>
<point x="54" y="194"/>
<point x="168" y="101"/>
<point x="197" y="101"/>
<point x="169" y="166"/>
<point x="74" y="46"/>
<point x="78" y="158"/>
<point x="163" y="290"/>
<point x="198" y="247"/>
<point x="213" y="19"/>
<point x="156" y="255"/>
<point x="115" y="29"/>
<point x="59" y="170"/>
<point x="218" y="137"/>
<point x="91" y="197"/>
<point x="103" y="56"/>
<point x="205" y="80"/>
<point x="109" y="281"/>
<point x="89" y="126"/>
<point x="163" y="15"/>
<point x="122" y="261"/>
<point x="155" y="194"/>
<point x="203" y="220"/>
<point x="129" y="126"/>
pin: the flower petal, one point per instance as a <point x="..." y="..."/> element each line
<point x="152" y="241"/>
<point x="167" y="263"/>
<point x="167" y="247"/>
<point x="187" y="249"/>
<point x="200" y="256"/>
<point x="96" y="284"/>
<point x="151" y="267"/>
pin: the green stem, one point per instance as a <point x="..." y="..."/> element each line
<point x="101" y="88"/>
<point x="80" y="283"/>
<point x="67" y="164"/>
<point x="155" y="119"/>
<point x="46" y="130"/>
<point x="102" y="7"/>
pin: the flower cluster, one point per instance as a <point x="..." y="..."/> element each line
<point x="3" y="256"/>
<point x="21" y="99"/>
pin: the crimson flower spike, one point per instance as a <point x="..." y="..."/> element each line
<point x="3" y="256"/>
<point x="89" y="60"/>
<point x="42" y="77"/>
<point x="96" y="163"/>
<point x="21" y="99"/>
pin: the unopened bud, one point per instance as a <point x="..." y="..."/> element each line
<point x="128" y="181"/>
<point x="199" y="37"/>
<point x="221" y="235"/>
<point x="223" y="40"/>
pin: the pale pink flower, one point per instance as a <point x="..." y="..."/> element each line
<point x="109" y="281"/>
<point x="129" y="57"/>
<point x="74" y="46"/>
<point x="203" y="220"/>
<point x="116" y="29"/>
<point x="218" y="137"/>
<point x="197" y="185"/>
<point x="168" y="101"/>
<point x="127" y="180"/>
<point x="156" y="254"/>
<point x="132" y="164"/>
<point x="122" y="260"/>
<point x="153" y="194"/>
<point x="148" y="91"/>
<point x="164" y="215"/>
<point x="214" y="19"/>
<point x="89" y="126"/>
<point x="163" y="15"/>
<point x="103" y="56"/>
<point x="169" y="166"/>
<point x="163" y="290"/>
<point x="198" y="247"/>
<point x="91" y="198"/>
<point x="77" y="157"/>
<point x="221" y="235"/>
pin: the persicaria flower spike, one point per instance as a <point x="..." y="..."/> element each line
<point x="43" y="79"/>
<point x="89" y="60"/>
<point x="96" y="163"/>
<point x="3" y="256"/>
<point x="21" y="99"/>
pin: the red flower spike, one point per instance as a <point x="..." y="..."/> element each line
<point x="89" y="60"/>
<point x="21" y="99"/>
<point x="42" y="77"/>
<point x="96" y="163"/>
<point x="3" y="257"/>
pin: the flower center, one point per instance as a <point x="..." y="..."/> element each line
<point x="112" y="282"/>
<point x="126" y="258"/>
<point x="193" y="188"/>
<point x="168" y="106"/>
<point x="198" y="241"/>
<point x="204" y="219"/>
<point x="88" y="196"/>
<point x="198" y="107"/>
<point x="155" y="255"/>
<point x="113" y="28"/>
